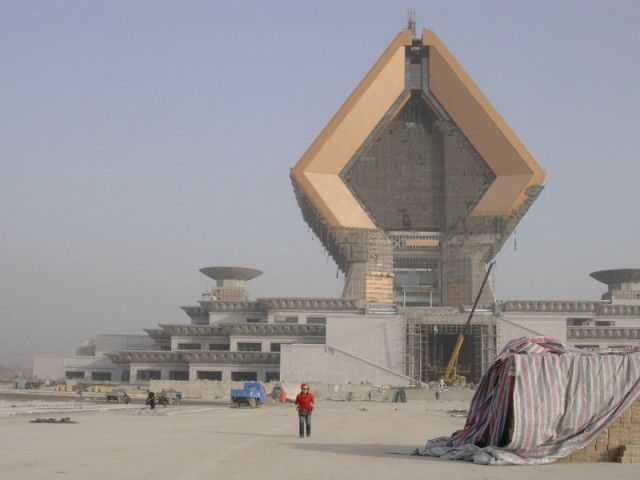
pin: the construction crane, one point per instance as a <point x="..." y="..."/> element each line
<point x="450" y="375"/>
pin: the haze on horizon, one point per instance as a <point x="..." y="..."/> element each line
<point x="142" y="141"/>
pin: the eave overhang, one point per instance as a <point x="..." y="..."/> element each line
<point x="317" y="172"/>
<point x="484" y="127"/>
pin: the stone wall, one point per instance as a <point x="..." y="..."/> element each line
<point x="620" y="442"/>
<point x="327" y="364"/>
<point x="380" y="339"/>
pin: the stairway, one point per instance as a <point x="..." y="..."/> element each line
<point x="381" y="309"/>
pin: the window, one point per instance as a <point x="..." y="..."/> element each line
<point x="282" y="319"/>
<point x="272" y="376"/>
<point x="275" y="347"/>
<point x="209" y="375"/>
<point x="219" y="346"/>
<point x="74" y="375"/>
<point x="101" y="376"/>
<point x="244" y="376"/>
<point x="178" y="375"/>
<point x="126" y="375"/>
<point x="317" y="320"/>
<point x="146" y="375"/>
<point x="249" y="347"/>
<point x="604" y="323"/>
<point x="255" y="320"/>
<point x="577" y="322"/>
<point x="588" y="347"/>
<point x="189" y="346"/>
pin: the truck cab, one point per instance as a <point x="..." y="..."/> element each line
<point x="252" y="394"/>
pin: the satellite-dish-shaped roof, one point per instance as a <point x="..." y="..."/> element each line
<point x="231" y="273"/>
<point x="616" y="276"/>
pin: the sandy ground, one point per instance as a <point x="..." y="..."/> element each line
<point x="352" y="440"/>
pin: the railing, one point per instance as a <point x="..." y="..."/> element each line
<point x="548" y="306"/>
<point x="565" y="306"/>
<point x="613" y="333"/>
<point x="244" y="329"/>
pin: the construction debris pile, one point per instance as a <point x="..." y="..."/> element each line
<point x="52" y="420"/>
<point x="543" y="400"/>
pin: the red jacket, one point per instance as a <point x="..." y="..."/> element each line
<point x="305" y="402"/>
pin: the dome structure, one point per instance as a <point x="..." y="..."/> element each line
<point x="230" y="282"/>
<point x="617" y="276"/>
<point x="231" y="273"/>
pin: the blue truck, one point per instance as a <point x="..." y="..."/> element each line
<point x="251" y="393"/>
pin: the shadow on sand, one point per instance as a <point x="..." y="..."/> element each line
<point x="253" y="434"/>
<point x="365" y="450"/>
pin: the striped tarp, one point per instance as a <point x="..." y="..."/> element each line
<point x="542" y="400"/>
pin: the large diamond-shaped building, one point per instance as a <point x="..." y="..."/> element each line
<point x="417" y="181"/>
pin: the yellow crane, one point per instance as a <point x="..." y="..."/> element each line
<point x="450" y="375"/>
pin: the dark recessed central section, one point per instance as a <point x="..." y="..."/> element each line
<point x="399" y="178"/>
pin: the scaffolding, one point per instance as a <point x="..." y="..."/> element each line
<point x="431" y="335"/>
<point x="420" y="181"/>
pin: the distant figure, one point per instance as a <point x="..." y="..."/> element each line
<point x="151" y="400"/>
<point x="279" y="394"/>
<point x="163" y="399"/>
<point x="304" y="405"/>
<point x="437" y="395"/>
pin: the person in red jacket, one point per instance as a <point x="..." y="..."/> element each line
<point x="304" y="404"/>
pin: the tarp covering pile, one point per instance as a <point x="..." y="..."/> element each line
<point x="542" y="400"/>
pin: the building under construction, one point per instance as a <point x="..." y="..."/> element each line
<point x="413" y="187"/>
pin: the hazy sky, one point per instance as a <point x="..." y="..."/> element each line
<point x="141" y="141"/>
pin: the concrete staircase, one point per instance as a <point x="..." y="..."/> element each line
<point x="381" y="309"/>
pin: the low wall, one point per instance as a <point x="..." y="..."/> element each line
<point x="200" y="389"/>
<point x="219" y="391"/>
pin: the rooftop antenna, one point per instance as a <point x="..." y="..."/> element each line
<point x="411" y="21"/>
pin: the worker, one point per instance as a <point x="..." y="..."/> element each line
<point x="163" y="399"/>
<point x="304" y="404"/>
<point x="151" y="400"/>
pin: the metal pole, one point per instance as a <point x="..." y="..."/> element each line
<point x="435" y="346"/>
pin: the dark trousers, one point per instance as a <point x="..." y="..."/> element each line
<point x="304" y="419"/>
